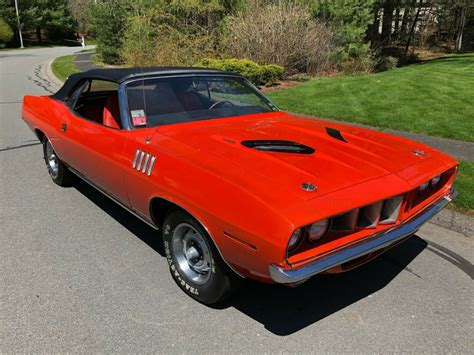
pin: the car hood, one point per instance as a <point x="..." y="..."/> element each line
<point x="344" y="155"/>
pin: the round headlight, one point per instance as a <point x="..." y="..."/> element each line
<point x="424" y="186"/>
<point x="435" y="181"/>
<point x="317" y="230"/>
<point x="295" y="239"/>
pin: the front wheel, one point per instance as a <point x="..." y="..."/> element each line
<point x="58" y="172"/>
<point x="194" y="261"/>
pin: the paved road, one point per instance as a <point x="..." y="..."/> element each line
<point x="77" y="273"/>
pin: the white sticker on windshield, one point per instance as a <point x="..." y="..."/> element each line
<point x="138" y="117"/>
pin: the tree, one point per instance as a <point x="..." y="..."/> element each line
<point x="79" y="12"/>
<point x="50" y="15"/>
<point x="352" y="19"/>
<point x="7" y="13"/>
<point x="108" y="21"/>
<point x="6" y="32"/>
<point x="463" y="8"/>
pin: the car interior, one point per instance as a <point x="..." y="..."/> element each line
<point x="97" y="101"/>
<point x="164" y="101"/>
<point x="179" y="100"/>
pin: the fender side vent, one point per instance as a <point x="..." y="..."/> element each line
<point x="335" y="134"/>
<point x="143" y="161"/>
<point x="278" y="146"/>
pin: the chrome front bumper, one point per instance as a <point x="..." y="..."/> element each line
<point x="368" y="245"/>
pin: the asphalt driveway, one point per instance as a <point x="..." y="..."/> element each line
<point x="78" y="273"/>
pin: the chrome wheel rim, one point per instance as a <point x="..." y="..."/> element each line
<point x="192" y="253"/>
<point x="51" y="160"/>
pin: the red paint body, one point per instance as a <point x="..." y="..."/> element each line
<point x="250" y="201"/>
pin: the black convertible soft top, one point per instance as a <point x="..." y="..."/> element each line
<point x="122" y="74"/>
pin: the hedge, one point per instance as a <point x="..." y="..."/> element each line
<point x="256" y="73"/>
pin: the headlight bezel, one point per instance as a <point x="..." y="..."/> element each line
<point x="424" y="186"/>
<point x="323" y="232"/>
<point x="435" y="181"/>
<point x="299" y="240"/>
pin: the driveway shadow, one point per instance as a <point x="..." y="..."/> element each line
<point x="133" y="224"/>
<point x="283" y="310"/>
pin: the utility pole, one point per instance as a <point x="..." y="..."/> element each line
<point x="19" y="24"/>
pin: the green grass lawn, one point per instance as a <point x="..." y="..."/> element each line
<point x="465" y="185"/>
<point x="64" y="66"/>
<point x="434" y="97"/>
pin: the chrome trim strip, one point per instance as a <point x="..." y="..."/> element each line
<point x="146" y="162"/>
<point x="370" y="244"/>
<point x="150" y="168"/>
<point x="82" y="177"/>
<point x="135" y="158"/>
<point x="140" y="161"/>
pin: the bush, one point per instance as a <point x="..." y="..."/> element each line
<point x="6" y="33"/>
<point x="256" y="73"/>
<point x="387" y="63"/>
<point x="179" y="35"/>
<point x="283" y="34"/>
<point x="358" y="64"/>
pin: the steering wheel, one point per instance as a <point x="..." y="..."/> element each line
<point x="219" y="103"/>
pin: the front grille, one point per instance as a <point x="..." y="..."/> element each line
<point x="358" y="223"/>
<point x="387" y="211"/>
<point x="380" y="212"/>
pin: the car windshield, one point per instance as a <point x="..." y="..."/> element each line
<point x="165" y="101"/>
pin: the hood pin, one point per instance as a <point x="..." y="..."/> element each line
<point x="307" y="186"/>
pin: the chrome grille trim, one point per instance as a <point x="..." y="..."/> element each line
<point x="146" y="162"/>
<point x="150" y="168"/>
<point x="346" y="221"/>
<point x="381" y="212"/>
<point x="137" y="153"/>
<point x="391" y="210"/>
<point x="140" y="161"/>
<point x="369" y="215"/>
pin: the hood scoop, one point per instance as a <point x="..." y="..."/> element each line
<point x="279" y="146"/>
<point x="335" y="134"/>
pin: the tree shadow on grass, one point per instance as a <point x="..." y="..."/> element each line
<point x="464" y="59"/>
<point x="282" y="310"/>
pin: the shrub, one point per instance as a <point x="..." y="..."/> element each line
<point x="6" y="33"/>
<point x="358" y="64"/>
<point x="256" y="73"/>
<point x="387" y="63"/>
<point x="159" y="36"/>
<point x="283" y="34"/>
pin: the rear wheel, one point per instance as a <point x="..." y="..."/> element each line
<point x="194" y="261"/>
<point x="57" y="170"/>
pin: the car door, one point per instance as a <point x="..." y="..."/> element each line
<point x="92" y="149"/>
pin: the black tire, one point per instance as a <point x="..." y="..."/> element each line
<point x="220" y="281"/>
<point x="60" y="174"/>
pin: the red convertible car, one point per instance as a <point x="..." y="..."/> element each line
<point x="238" y="188"/>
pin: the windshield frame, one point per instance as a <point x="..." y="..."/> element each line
<point x="124" y="108"/>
